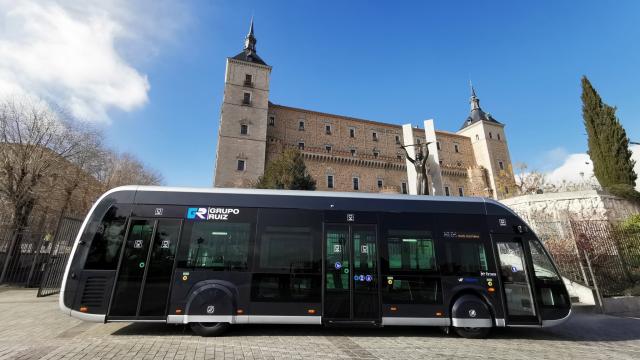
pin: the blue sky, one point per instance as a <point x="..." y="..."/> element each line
<point x="396" y="62"/>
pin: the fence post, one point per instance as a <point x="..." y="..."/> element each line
<point x="575" y="246"/>
<point x="9" y="258"/>
<point x="595" y="282"/>
<point x="36" y="256"/>
<point x="616" y="244"/>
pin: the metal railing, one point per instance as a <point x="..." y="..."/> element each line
<point x="595" y="253"/>
<point x="31" y="259"/>
<point x="57" y="259"/>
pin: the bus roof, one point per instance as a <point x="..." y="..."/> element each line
<point x="328" y="200"/>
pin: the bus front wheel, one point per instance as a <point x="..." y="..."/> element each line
<point x="472" y="333"/>
<point x="209" y="329"/>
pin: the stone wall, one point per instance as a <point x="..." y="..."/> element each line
<point x="577" y="205"/>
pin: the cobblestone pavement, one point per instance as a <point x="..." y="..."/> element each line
<point x="34" y="328"/>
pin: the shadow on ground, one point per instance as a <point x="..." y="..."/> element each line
<point x="581" y="327"/>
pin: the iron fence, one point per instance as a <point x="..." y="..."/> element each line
<point x="57" y="259"/>
<point x="593" y="252"/>
<point x="28" y="258"/>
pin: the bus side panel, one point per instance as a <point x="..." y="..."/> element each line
<point x="466" y="260"/>
<point x="77" y="280"/>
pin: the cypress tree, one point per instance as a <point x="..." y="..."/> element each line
<point x="288" y="171"/>
<point x="608" y="144"/>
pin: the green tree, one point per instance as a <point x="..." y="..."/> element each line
<point x="288" y="171"/>
<point x="608" y="145"/>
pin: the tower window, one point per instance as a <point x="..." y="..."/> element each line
<point x="438" y="145"/>
<point x="246" y="100"/>
<point x="490" y="136"/>
<point x="460" y="191"/>
<point x="356" y="184"/>
<point x="498" y="135"/>
<point x="440" y="162"/>
<point x="330" y="181"/>
<point x="456" y="148"/>
<point x="352" y="132"/>
<point x="446" y="191"/>
<point x="244" y="129"/>
<point x="353" y="152"/>
<point x="241" y="165"/>
<point x="272" y="120"/>
<point x="379" y="183"/>
<point x="327" y="129"/>
<point x="248" y="80"/>
<point x="501" y="164"/>
<point x="477" y="137"/>
<point x="403" y="187"/>
<point x="301" y="125"/>
<point x="374" y="136"/>
<point x="328" y="148"/>
<point x="301" y="145"/>
<point x="506" y="189"/>
<point x="375" y="153"/>
<point x="397" y="139"/>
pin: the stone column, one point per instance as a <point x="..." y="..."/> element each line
<point x="435" y="175"/>
<point x="407" y="139"/>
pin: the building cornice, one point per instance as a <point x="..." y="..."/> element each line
<point x="259" y="66"/>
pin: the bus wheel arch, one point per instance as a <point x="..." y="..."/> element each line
<point x="212" y="298"/>
<point x="471" y="314"/>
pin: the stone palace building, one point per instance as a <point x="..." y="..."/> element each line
<point x="348" y="154"/>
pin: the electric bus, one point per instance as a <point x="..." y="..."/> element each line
<point x="216" y="257"/>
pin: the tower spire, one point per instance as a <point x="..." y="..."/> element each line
<point x="250" y="40"/>
<point x="475" y="102"/>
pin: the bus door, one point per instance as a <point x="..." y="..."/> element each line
<point x="515" y="274"/>
<point x="351" y="291"/>
<point x="144" y="271"/>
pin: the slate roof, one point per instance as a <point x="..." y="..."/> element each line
<point x="478" y="115"/>
<point x="249" y="57"/>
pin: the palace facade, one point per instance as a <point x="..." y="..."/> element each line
<point x="348" y="154"/>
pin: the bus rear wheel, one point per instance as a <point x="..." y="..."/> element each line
<point x="472" y="333"/>
<point x="209" y="329"/>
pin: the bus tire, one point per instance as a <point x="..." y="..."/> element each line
<point x="471" y="317"/>
<point x="209" y="329"/>
<point x="472" y="333"/>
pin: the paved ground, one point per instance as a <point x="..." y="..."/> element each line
<point x="33" y="328"/>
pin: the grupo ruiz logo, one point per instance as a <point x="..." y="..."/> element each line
<point x="211" y="213"/>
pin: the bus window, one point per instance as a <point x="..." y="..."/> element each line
<point x="550" y="287"/>
<point x="286" y="288"/>
<point x="105" y="246"/>
<point x="286" y="248"/>
<point x="465" y="257"/>
<point x="410" y="250"/>
<point x="216" y="245"/>
<point x="287" y="257"/>
<point x="411" y="260"/>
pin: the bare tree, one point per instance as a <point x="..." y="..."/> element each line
<point x="34" y="140"/>
<point x="529" y="182"/>
<point x="126" y="169"/>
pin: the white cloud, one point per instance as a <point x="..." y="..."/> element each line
<point x="72" y="53"/>
<point x="578" y="167"/>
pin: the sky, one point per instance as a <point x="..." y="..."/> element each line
<point x="150" y="73"/>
